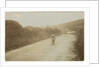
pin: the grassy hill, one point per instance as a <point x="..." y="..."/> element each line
<point x="70" y="26"/>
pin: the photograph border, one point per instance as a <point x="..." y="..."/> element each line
<point x="93" y="5"/>
<point x="46" y="63"/>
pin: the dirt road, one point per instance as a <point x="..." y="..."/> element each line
<point x="63" y="50"/>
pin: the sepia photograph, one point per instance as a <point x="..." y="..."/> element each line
<point x="44" y="36"/>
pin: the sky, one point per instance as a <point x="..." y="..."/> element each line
<point x="43" y="18"/>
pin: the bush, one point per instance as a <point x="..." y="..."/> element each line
<point x="79" y="46"/>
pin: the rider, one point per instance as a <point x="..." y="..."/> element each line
<point x="53" y="39"/>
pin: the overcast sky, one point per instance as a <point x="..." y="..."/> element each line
<point x="43" y="18"/>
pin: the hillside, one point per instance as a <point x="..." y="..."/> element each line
<point x="74" y="25"/>
<point x="18" y="36"/>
